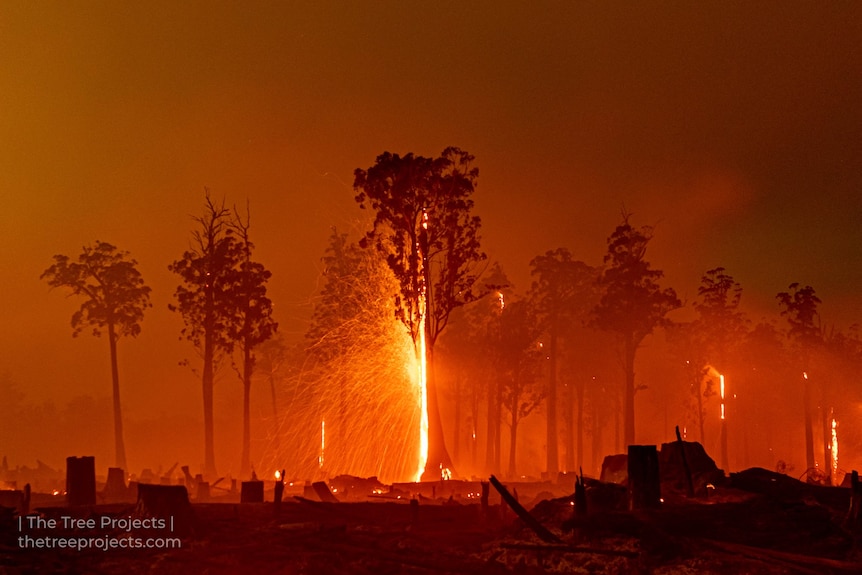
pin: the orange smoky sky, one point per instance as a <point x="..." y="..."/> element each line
<point x="732" y="127"/>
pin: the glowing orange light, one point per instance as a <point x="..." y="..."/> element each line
<point x="721" y="380"/>
<point x="445" y="473"/>
<point x="322" y="443"/>
<point x="834" y="451"/>
<point x="277" y="475"/>
<point x="423" y="371"/>
<point x="501" y="300"/>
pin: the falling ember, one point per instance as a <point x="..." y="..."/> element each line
<point x="278" y="475"/>
<point x="322" y="443"/>
<point x="834" y="451"/>
<point x="721" y="380"/>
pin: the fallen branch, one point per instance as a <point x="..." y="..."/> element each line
<point x="530" y="521"/>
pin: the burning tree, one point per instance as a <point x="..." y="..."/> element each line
<point x="116" y="298"/>
<point x="710" y="339"/>
<point x="799" y="306"/>
<point x="633" y="304"/>
<point x="424" y="227"/>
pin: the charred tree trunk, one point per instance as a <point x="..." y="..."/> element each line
<point x="119" y="442"/>
<point x="580" y="423"/>
<point x="438" y="455"/>
<point x="629" y="398"/>
<point x="553" y="464"/>
<point x="513" y="433"/>
<point x="569" y="417"/>
<point x="809" y="428"/>
<point x="700" y="415"/>
<point x="491" y="436"/>
<point x="247" y="368"/>
<point x="456" y="444"/>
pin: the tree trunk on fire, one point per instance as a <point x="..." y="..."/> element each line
<point x="438" y="455"/>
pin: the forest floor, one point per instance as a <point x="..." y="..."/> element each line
<point x="770" y="527"/>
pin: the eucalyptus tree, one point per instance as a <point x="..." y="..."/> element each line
<point x="115" y="300"/>
<point x="633" y="304"/>
<point x="799" y="306"/>
<point x="254" y="323"/>
<point x="206" y="301"/>
<point x="562" y="293"/>
<point x="425" y="228"/>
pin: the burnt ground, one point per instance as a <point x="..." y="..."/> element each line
<point x="733" y="531"/>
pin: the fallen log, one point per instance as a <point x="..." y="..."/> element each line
<point x="322" y="491"/>
<point x="563" y="548"/>
<point x="530" y="521"/>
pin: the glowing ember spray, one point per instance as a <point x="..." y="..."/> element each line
<point x="721" y="380"/>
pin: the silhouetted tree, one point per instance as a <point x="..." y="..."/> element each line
<point x="633" y="304"/>
<point x="424" y="226"/>
<point x="516" y="366"/>
<point x="711" y="338"/>
<point x="207" y="302"/>
<point x="253" y="324"/>
<point x="562" y="293"/>
<point x="116" y="298"/>
<point x="799" y="306"/>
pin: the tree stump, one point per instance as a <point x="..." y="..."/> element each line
<point x="80" y="481"/>
<point x="644" y="483"/>
<point x="168" y="502"/>
<point x="115" y="487"/>
<point x="251" y="492"/>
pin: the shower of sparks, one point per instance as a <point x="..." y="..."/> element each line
<point x="721" y="384"/>
<point x="501" y="300"/>
<point x="361" y="379"/>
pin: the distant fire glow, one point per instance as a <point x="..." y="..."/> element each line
<point x="834" y="451"/>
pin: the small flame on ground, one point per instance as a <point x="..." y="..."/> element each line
<point x="445" y="473"/>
